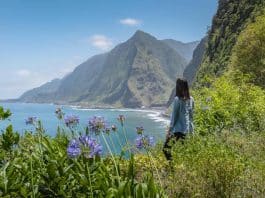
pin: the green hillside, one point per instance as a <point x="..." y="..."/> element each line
<point x="45" y="93"/>
<point x="193" y="66"/>
<point x="248" y="55"/>
<point x="231" y="18"/>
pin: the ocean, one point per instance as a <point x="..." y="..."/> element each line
<point x="150" y="120"/>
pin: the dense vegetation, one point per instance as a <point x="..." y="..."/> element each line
<point x="248" y="55"/>
<point x="193" y="66"/>
<point x="231" y="18"/>
<point x="225" y="157"/>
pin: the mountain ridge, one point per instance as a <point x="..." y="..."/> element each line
<point x="184" y="49"/>
<point x="229" y="21"/>
<point x="138" y="72"/>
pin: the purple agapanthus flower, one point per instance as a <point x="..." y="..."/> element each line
<point x="84" y="140"/>
<point x="151" y="141"/>
<point x="144" y="141"/>
<point x="86" y="145"/>
<point x="71" y="120"/>
<point x="96" y="124"/>
<point x="95" y="148"/>
<point x="31" y="120"/>
<point x="73" y="149"/>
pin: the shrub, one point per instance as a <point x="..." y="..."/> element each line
<point x="228" y="105"/>
<point x="215" y="165"/>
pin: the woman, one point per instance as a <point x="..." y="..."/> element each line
<point x="182" y="116"/>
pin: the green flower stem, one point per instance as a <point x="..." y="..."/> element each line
<point x="118" y="137"/>
<point x="124" y="133"/>
<point x="111" y="156"/>
<point x="111" y="140"/>
<point x="89" y="178"/>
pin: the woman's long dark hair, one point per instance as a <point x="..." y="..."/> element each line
<point x="182" y="89"/>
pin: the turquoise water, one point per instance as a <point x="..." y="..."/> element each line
<point x="150" y="120"/>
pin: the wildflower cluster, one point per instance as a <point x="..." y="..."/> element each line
<point x="143" y="141"/>
<point x="71" y="120"/>
<point x="85" y="145"/>
<point x="74" y="149"/>
<point x="96" y="124"/>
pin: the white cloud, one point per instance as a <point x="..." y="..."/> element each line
<point x="17" y="82"/>
<point x="130" y="22"/>
<point x="23" y="73"/>
<point x="14" y="82"/>
<point x="101" y="42"/>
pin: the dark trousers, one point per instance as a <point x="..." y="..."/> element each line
<point x="169" y="141"/>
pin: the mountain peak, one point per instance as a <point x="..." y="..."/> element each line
<point x="139" y="34"/>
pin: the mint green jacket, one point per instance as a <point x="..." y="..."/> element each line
<point x="182" y="116"/>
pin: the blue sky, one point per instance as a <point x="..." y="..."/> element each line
<point x="45" y="39"/>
